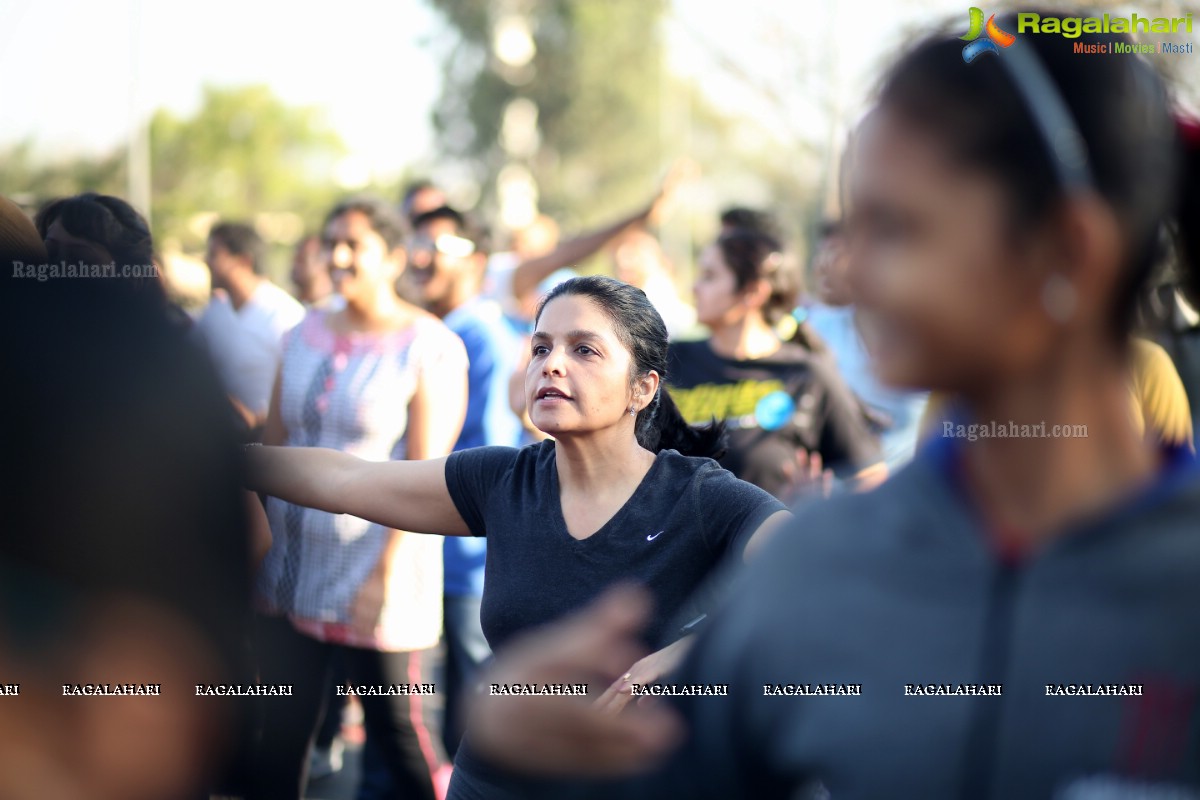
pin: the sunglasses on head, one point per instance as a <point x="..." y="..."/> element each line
<point x="447" y="244"/>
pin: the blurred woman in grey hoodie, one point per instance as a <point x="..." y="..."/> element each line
<point x="1016" y="613"/>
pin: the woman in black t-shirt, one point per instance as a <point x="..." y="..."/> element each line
<point x="781" y="401"/>
<point x="617" y="495"/>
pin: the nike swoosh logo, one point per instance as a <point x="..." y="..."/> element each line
<point x="653" y="536"/>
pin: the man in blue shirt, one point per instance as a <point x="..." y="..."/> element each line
<point x="447" y="261"/>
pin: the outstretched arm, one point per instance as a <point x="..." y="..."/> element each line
<point x="531" y="272"/>
<point x="406" y="495"/>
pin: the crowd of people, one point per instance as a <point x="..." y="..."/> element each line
<point x="436" y="469"/>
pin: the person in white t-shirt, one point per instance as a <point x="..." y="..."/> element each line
<point x="244" y="321"/>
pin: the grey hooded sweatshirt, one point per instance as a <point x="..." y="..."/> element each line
<point x="882" y="647"/>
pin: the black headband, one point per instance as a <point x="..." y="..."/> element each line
<point x="1067" y="147"/>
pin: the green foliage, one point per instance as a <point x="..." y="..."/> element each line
<point x="243" y="153"/>
<point x="597" y="83"/>
<point x="612" y="116"/>
<point x="31" y="181"/>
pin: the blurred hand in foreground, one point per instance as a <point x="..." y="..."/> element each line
<point x="807" y="478"/>
<point x="564" y="735"/>
<point x="645" y="672"/>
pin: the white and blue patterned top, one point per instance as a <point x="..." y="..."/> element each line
<point x="351" y="392"/>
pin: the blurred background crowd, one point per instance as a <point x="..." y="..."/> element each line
<point x="365" y="205"/>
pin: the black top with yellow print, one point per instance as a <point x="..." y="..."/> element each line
<point x="773" y="407"/>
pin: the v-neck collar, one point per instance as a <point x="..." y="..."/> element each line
<point x="601" y="533"/>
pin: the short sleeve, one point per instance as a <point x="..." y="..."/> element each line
<point x="471" y="478"/>
<point x="286" y="316"/>
<point x="439" y="349"/>
<point x="730" y="510"/>
<point x="1160" y="395"/>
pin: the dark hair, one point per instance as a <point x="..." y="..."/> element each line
<point x="752" y="255"/>
<point x="105" y="220"/>
<point x="241" y="240"/>
<point x="750" y="219"/>
<point x="139" y="492"/>
<point x="113" y="224"/>
<point x="464" y="225"/>
<point x="411" y="190"/>
<point x="1188" y="224"/>
<point x="641" y="330"/>
<point x="978" y="112"/>
<point x="384" y="220"/>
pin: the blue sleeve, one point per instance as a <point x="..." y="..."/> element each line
<point x="501" y="425"/>
<point x="481" y="363"/>
<point x="730" y="510"/>
<point x="471" y="478"/>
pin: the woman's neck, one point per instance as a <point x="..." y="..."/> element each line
<point x="379" y="311"/>
<point x="745" y="340"/>
<point x="609" y="462"/>
<point x="1033" y="486"/>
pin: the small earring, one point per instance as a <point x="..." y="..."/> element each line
<point x="633" y="411"/>
<point x="1059" y="298"/>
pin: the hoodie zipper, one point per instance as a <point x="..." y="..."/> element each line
<point x="979" y="763"/>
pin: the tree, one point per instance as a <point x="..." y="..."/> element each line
<point x="31" y="180"/>
<point x="244" y="153"/>
<point x="610" y="117"/>
<point x="595" y="80"/>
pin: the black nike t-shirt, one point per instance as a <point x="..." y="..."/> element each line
<point x="687" y="515"/>
<point x="772" y="407"/>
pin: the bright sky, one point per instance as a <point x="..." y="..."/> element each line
<point x="68" y="65"/>
<point x="804" y="54"/>
<point x="367" y="64"/>
<point x="68" y="68"/>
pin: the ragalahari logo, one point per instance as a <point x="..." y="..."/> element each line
<point x="996" y="38"/>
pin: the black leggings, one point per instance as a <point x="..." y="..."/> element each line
<point x="403" y="729"/>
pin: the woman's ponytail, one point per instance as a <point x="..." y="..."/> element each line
<point x="660" y="426"/>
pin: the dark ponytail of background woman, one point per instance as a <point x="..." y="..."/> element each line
<point x="641" y="330"/>
<point x="753" y="254"/>
<point x="93" y="230"/>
